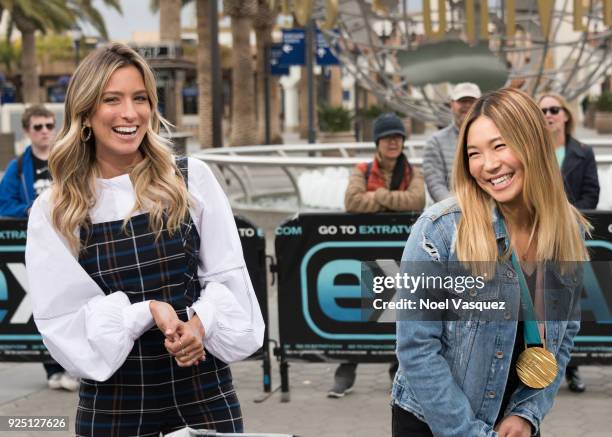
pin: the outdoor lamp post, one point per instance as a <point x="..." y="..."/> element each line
<point x="76" y="34"/>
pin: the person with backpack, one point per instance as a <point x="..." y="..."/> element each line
<point x="25" y="178"/>
<point x="28" y="175"/>
<point x="387" y="183"/>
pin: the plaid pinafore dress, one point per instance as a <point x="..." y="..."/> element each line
<point x="150" y="393"/>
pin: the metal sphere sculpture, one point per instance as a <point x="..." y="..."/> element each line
<point x="405" y="51"/>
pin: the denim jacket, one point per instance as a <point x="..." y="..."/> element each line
<point x="453" y="374"/>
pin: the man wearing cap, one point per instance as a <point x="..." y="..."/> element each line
<point x="387" y="183"/>
<point x="440" y="149"/>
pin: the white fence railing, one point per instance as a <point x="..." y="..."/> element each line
<point x="245" y="165"/>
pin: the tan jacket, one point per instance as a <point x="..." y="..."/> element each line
<point x="358" y="199"/>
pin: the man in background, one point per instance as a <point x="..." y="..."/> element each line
<point x="26" y="177"/>
<point x="439" y="152"/>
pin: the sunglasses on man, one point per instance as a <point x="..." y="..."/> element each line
<point x="554" y="110"/>
<point x="38" y="127"/>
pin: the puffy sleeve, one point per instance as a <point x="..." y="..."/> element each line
<point x="227" y="307"/>
<point x="89" y="333"/>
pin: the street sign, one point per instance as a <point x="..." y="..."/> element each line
<point x="276" y="69"/>
<point x="294" y="49"/>
<point x="324" y="55"/>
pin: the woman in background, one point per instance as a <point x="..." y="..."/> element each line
<point x="579" y="170"/>
<point x="388" y="183"/>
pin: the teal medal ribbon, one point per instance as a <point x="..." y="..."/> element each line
<point x="531" y="331"/>
<point x="536" y="367"/>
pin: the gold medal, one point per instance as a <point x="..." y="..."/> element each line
<point x="536" y="367"/>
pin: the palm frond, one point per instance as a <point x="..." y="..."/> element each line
<point x="88" y="13"/>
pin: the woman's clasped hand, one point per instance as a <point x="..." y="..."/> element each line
<point x="183" y="340"/>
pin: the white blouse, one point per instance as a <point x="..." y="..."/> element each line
<point x="91" y="334"/>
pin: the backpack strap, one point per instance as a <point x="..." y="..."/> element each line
<point x="20" y="166"/>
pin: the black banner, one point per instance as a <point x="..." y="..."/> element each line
<point x="254" y="251"/>
<point x="594" y="343"/>
<point x="319" y="261"/>
<point x="319" y="291"/>
<point x="19" y="339"/>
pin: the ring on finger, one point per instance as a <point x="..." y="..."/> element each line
<point x="182" y="347"/>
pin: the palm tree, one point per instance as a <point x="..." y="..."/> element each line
<point x="28" y="16"/>
<point x="170" y="31"/>
<point x="244" y="127"/>
<point x="204" y="65"/>
<point x="170" y="20"/>
<point x="168" y="15"/>
<point x="303" y="109"/>
<point x="263" y="24"/>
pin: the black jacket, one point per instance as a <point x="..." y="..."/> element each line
<point x="580" y="174"/>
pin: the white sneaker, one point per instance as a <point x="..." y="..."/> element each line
<point x="69" y="382"/>
<point x="54" y="381"/>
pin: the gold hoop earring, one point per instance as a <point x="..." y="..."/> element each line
<point x="84" y="137"/>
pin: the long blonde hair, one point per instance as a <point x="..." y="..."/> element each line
<point x="569" y="124"/>
<point x="523" y="128"/>
<point x="159" y="187"/>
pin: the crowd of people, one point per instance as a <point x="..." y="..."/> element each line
<point x="139" y="286"/>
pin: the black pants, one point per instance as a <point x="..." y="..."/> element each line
<point x="406" y="424"/>
<point x="350" y="367"/>
<point x="52" y="368"/>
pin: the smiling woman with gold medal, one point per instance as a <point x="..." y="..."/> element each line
<point x="510" y="221"/>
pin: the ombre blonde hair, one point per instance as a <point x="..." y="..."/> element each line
<point x="558" y="224"/>
<point x="570" y="123"/>
<point x="159" y="187"/>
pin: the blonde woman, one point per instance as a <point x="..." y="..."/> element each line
<point x="576" y="160"/>
<point x="579" y="170"/>
<point x="468" y="377"/>
<point x="135" y="267"/>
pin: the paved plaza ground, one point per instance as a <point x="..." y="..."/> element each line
<point x="363" y="413"/>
